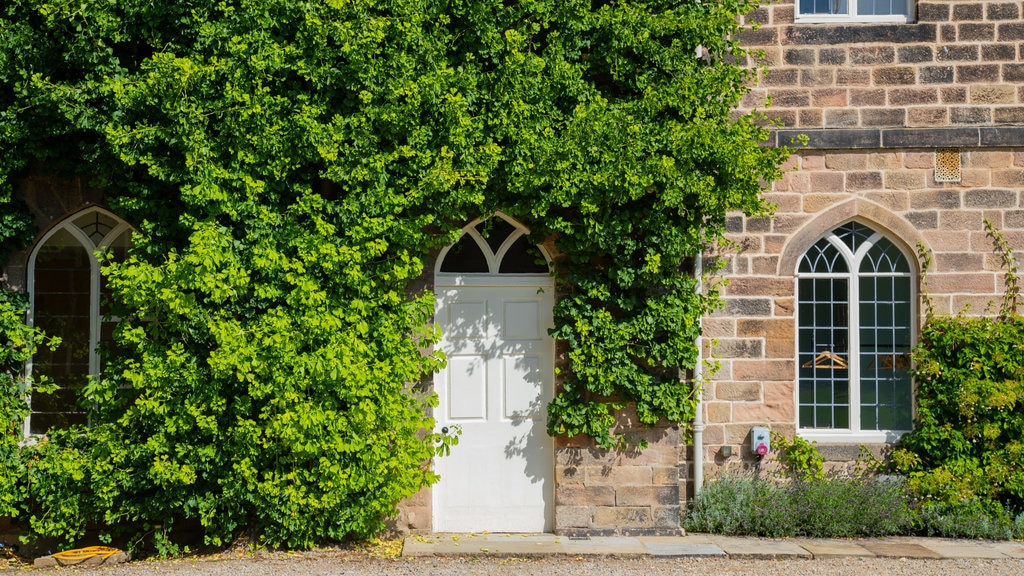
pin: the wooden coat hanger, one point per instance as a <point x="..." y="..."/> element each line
<point x="826" y="359"/>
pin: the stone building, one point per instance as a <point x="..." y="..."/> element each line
<point x="915" y="125"/>
<point x="913" y="115"/>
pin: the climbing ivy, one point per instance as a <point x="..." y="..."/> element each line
<point x="968" y="439"/>
<point x="289" y="167"/>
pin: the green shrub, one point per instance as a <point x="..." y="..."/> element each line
<point x="972" y="518"/>
<point x="800" y="457"/>
<point x="968" y="440"/>
<point x="827" y="507"/>
<point x="17" y="344"/>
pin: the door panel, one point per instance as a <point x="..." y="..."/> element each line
<point x="498" y="381"/>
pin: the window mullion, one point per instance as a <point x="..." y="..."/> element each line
<point x="854" y="330"/>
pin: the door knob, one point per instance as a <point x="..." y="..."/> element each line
<point x="444" y="430"/>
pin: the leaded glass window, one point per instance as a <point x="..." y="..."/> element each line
<point x="68" y="301"/>
<point x="855" y="311"/>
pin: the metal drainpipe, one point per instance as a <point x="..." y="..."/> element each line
<point x="698" y="385"/>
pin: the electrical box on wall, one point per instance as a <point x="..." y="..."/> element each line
<point x="760" y="440"/>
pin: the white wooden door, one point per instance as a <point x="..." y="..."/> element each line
<point x="497" y="383"/>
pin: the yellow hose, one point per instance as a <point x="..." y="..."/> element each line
<point x="82" y="554"/>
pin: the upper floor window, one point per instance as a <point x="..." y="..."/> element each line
<point x="855" y="318"/>
<point x="855" y="11"/>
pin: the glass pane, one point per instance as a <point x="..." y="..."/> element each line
<point x="523" y="258"/>
<point x="62" y="308"/>
<point x="842" y="417"/>
<point x="886" y="400"/>
<point x="823" y="7"/>
<point x="96" y="225"/>
<point x="853" y="234"/>
<point x="823" y="350"/>
<point x="885" y="257"/>
<point x="465" y="256"/>
<point x="881" y="7"/>
<point x="823" y="257"/>
<point x="494" y="231"/>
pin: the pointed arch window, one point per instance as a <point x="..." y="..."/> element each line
<point x="855" y="329"/>
<point x="494" y="246"/>
<point x="67" y="292"/>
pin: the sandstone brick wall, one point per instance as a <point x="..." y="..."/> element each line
<point x="959" y="64"/>
<point x="877" y="102"/>
<point x="603" y="492"/>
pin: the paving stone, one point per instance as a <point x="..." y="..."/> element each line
<point x="899" y="549"/>
<point x="822" y="548"/>
<point x="1010" y="549"/>
<point x="680" y="546"/>
<point x="626" y="545"/>
<point x="759" y="547"/>
<point x="962" y="548"/>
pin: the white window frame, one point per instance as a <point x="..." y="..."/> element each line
<point x="91" y="247"/>
<point x="854" y="434"/>
<point x="853" y="17"/>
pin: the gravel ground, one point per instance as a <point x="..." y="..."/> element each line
<point x="333" y="562"/>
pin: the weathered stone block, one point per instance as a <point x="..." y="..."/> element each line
<point x="915" y="54"/>
<point x="841" y="118"/>
<point x="998" y="52"/>
<point x="759" y="286"/>
<point x="1010" y="31"/>
<point x="913" y="96"/>
<point x="1010" y="178"/>
<point x="647" y="496"/>
<point x="976" y="32"/>
<point x="760" y="370"/>
<point x="739" y="348"/>
<point x="1002" y="11"/>
<point x="799" y="56"/>
<point x="580" y="496"/>
<point x="953" y="94"/>
<point x="719" y="412"/>
<point x="620" y="517"/>
<point x="921" y="220"/>
<point x="810" y="118"/>
<point x="978" y="283"/>
<point x="905" y="180"/>
<point x="765" y="265"/>
<point x="991" y="198"/>
<point x="870" y="97"/>
<point x="1008" y="115"/>
<point x="738" y="391"/>
<point x="970" y="115"/>
<point x="954" y="53"/>
<point x="574" y="517"/>
<point x="894" y="75"/>
<point x="618" y="475"/>
<point x="936" y="74"/>
<point x="932" y="199"/>
<point x="832" y="56"/>
<point x="667" y="475"/>
<point x="969" y="73"/>
<point x="853" y="77"/>
<point x="960" y="220"/>
<point x="972" y="11"/>
<point x="958" y="262"/>
<point x="863" y="181"/>
<point x="745" y="307"/>
<point x="872" y="55"/>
